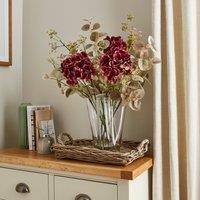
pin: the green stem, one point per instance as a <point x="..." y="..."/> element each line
<point x="117" y="106"/>
<point x="84" y="47"/>
<point x="90" y="96"/>
<point x="58" y="39"/>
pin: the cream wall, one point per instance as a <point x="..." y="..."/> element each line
<point x="10" y="84"/>
<point x="65" y="16"/>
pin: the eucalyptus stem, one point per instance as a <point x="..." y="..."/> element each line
<point x="84" y="47"/>
<point x="58" y="39"/>
<point x="117" y="107"/>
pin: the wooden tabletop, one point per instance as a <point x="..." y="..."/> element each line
<point x="27" y="158"/>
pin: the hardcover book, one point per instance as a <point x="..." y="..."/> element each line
<point x="44" y="124"/>
<point x="23" y="128"/>
<point x="31" y="124"/>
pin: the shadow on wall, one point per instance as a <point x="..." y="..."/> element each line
<point x="2" y="122"/>
<point x="9" y="121"/>
<point x="39" y="16"/>
<point x="10" y="127"/>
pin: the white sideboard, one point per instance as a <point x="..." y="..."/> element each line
<point x="24" y="175"/>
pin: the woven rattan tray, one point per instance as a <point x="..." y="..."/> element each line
<point x="83" y="150"/>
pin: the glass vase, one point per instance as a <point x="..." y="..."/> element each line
<point x="106" y="120"/>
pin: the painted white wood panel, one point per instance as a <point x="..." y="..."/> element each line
<point x="38" y="184"/>
<point x="68" y="189"/>
<point x="137" y="189"/>
<point x="141" y="187"/>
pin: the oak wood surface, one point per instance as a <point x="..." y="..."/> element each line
<point x="28" y="158"/>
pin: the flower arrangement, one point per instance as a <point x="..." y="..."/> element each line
<point x="109" y="71"/>
<point x="101" y="64"/>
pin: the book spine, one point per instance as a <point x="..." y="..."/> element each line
<point x="33" y="129"/>
<point x="29" y="123"/>
<point x="23" y="133"/>
<point x="34" y="138"/>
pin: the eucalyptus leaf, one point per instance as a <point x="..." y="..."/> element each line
<point x="137" y="78"/>
<point x="59" y="84"/>
<point x="104" y="44"/>
<point x="96" y="26"/>
<point x="102" y="34"/>
<point x="90" y="53"/>
<point x="85" y="27"/>
<point x="88" y="46"/>
<point x="94" y="36"/>
<point x="114" y="95"/>
<point x="69" y="92"/>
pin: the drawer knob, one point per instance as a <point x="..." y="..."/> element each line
<point x="22" y="188"/>
<point x="82" y="197"/>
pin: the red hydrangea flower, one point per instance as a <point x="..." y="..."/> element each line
<point x="77" y="66"/>
<point x="115" y="63"/>
<point x="116" y="43"/>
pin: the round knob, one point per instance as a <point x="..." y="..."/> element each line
<point x="82" y="197"/>
<point x="22" y="188"/>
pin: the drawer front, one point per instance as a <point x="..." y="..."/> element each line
<point x="36" y="183"/>
<point x="71" y="189"/>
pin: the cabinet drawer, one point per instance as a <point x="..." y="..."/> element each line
<point x="69" y="189"/>
<point x="37" y="185"/>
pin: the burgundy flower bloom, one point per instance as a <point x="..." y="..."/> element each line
<point x="77" y="66"/>
<point x="116" y="43"/>
<point x="115" y="63"/>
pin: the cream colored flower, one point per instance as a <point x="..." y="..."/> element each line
<point x="132" y="98"/>
<point x="135" y="105"/>
<point x="151" y="44"/>
<point x="155" y="60"/>
<point x="56" y="74"/>
<point x="51" y="33"/>
<point x="53" y="46"/>
<point x="144" y="64"/>
<point x="45" y="77"/>
<point x="137" y="94"/>
<point x="135" y="99"/>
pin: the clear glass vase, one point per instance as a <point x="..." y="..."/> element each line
<point x="106" y="120"/>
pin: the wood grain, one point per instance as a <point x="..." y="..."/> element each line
<point x="32" y="159"/>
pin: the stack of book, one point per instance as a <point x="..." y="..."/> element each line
<point x="34" y="121"/>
